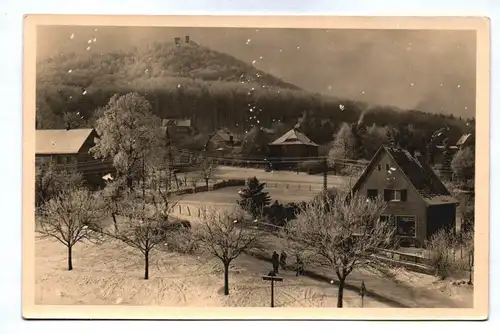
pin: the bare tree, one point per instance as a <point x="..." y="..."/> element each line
<point x="220" y="235"/>
<point x="50" y="181"/>
<point x="72" y="216"/>
<point x="343" y="232"/>
<point x="439" y="246"/>
<point x="206" y="169"/>
<point x="145" y="223"/>
<point x="113" y="195"/>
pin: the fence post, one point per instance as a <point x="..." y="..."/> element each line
<point x="180" y="210"/>
<point x="199" y="213"/>
<point x="310" y="187"/>
<point x="189" y="210"/>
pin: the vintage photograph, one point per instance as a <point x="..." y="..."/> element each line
<point x="256" y="166"/>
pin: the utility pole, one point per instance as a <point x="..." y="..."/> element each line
<point x="272" y="277"/>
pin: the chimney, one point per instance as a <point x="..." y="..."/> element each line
<point x="187" y="38"/>
<point x="177" y="40"/>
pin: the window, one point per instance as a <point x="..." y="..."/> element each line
<point x="379" y="168"/>
<point x="395" y="195"/>
<point x="61" y="160"/>
<point x="372" y="193"/>
<point x="406" y="226"/>
<point x="386" y="219"/>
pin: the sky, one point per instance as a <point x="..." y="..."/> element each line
<point x="429" y="70"/>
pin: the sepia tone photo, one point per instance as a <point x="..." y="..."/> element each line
<point x="253" y="167"/>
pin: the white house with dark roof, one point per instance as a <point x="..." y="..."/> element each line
<point x="418" y="203"/>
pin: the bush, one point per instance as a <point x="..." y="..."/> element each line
<point x="179" y="236"/>
<point x="439" y="246"/>
<point x="278" y="214"/>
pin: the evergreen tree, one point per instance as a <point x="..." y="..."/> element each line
<point x="447" y="158"/>
<point x="253" y="198"/>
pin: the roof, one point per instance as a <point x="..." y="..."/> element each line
<point x="268" y="131"/>
<point x="418" y="173"/>
<point x="61" y="141"/>
<point x="176" y="122"/>
<point x="294" y="137"/>
<point x="225" y="135"/>
<point x="463" y="139"/>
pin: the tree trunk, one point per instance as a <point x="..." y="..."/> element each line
<point x="206" y="182"/>
<point x="70" y="258"/>
<point x="114" y="221"/>
<point x="146" y="265"/>
<point x="226" y="279"/>
<point x="340" y="296"/>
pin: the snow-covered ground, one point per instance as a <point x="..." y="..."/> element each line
<point x="111" y="274"/>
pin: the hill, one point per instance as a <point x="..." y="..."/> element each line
<point x="190" y="80"/>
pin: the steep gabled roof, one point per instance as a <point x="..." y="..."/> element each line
<point x="463" y="139"/>
<point x="294" y="137"/>
<point x="61" y="141"/>
<point x="418" y="173"/>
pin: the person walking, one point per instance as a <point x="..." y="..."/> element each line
<point x="275" y="259"/>
<point x="283" y="260"/>
<point x="299" y="266"/>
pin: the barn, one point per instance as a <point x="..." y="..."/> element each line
<point x="291" y="148"/>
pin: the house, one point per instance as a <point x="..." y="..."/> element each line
<point x="293" y="144"/>
<point x="417" y="201"/>
<point x="466" y="140"/>
<point x="178" y="126"/>
<point x="444" y="154"/>
<point x="69" y="149"/>
<point x="223" y="140"/>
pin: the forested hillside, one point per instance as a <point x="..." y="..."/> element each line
<point x="214" y="89"/>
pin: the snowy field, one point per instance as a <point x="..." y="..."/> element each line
<point x="111" y="274"/>
<point x="301" y="181"/>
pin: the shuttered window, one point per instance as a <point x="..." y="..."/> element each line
<point x="395" y="195"/>
<point x="403" y="195"/>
